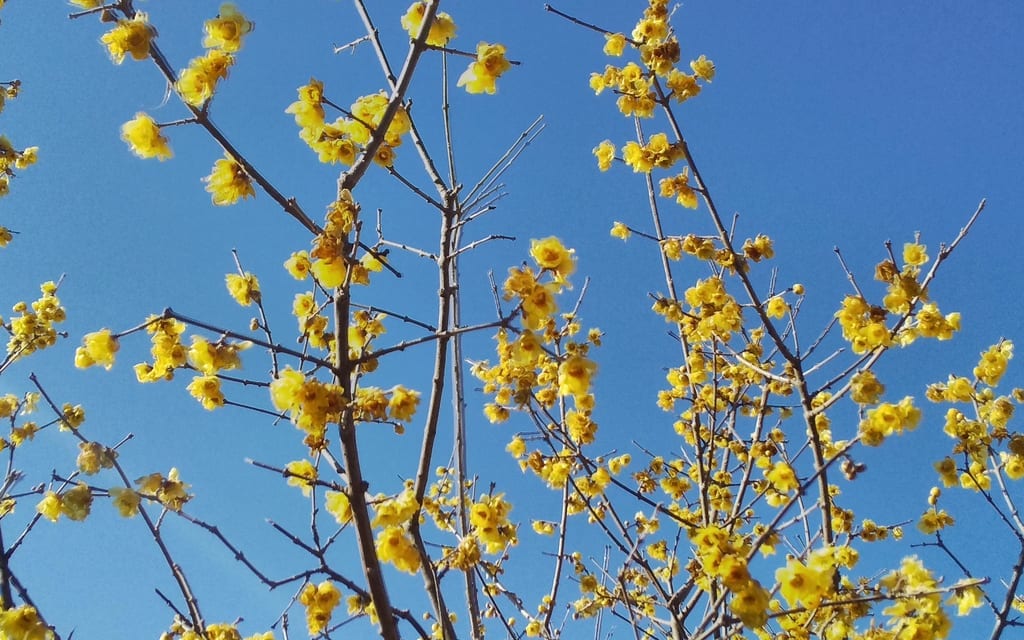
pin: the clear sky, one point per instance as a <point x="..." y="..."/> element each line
<point x="828" y="124"/>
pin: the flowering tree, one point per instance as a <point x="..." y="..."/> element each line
<point x="745" y="523"/>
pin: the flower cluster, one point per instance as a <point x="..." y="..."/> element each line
<point x="74" y="504"/>
<point x="11" y="158"/>
<point x="489" y="518"/>
<point x="223" y="37"/>
<point x="442" y="29"/>
<point x="982" y="440"/>
<point x="342" y="140"/>
<point x="320" y="601"/>
<point x="889" y="419"/>
<point x="311" y="404"/>
<point x="24" y="622"/>
<point x="168" y="490"/>
<point x="181" y="630"/>
<point x="331" y="264"/>
<point x="35" y="328"/>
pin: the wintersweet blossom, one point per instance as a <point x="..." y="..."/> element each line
<point x="320" y="601"/>
<point x="97" y="348"/>
<point x="144" y="138"/>
<point x="605" y="152"/>
<point x="125" y="500"/>
<point x="129" y="38"/>
<point x="442" y="29"/>
<point x="615" y="44"/>
<point x="490" y="64"/>
<point x="226" y="31"/>
<point x="228" y="183"/>
<point x="244" y="288"/>
<point x="551" y="255"/>
<point x="703" y="68"/>
<point x="198" y="82"/>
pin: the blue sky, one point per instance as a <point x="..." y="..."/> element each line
<point x="828" y="124"/>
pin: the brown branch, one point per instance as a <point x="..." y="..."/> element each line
<point x="351" y="177"/>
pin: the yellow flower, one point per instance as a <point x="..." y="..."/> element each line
<point x="403" y="403"/>
<point x="621" y="231"/>
<point x="93" y="456"/>
<point x="129" y="37"/>
<point x="914" y="254"/>
<point x="206" y="389"/>
<point x="605" y="153"/>
<point x="676" y="186"/>
<point x="49" y="506"/>
<point x="551" y="255"/>
<point x="616" y="464"/>
<point x="517" y="447"/>
<point x="574" y="376"/>
<point x="496" y="413"/>
<point x="72" y="416"/>
<point x="976" y="478"/>
<point x="934" y="520"/>
<point x="171" y="492"/>
<point x="338" y="505"/>
<point x="329" y="272"/>
<point x="703" y="68"/>
<point x="143" y="136"/>
<point x="367" y="113"/>
<point x="309" y="110"/>
<point x="490" y="64"/>
<point x="285" y="390"/>
<point x="302" y="474"/>
<point x="385" y="156"/>
<point x="298" y="265"/>
<point x="228" y="183"/>
<point x="97" y="348"/>
<point x="27" y="158"/>
<point x="226" y="30"/>
<point x="245" y="288"/>
<point x="320" y="601"/>
<point x="441" y="30"/>
<point x="683" y="86"/>
<point x="126" y="500"/>
<point x="197" y="83"/>
<point x="76" y="503"/>
<point x="539" y="305"/>
<point x="782" y="477"/>
<point x="489" y="519"/>
<point x="209" y="358"/>
<point x="24" y="623"/>
<point x="967" y="599"/>
<point x="750" y="604"/>
<point x="993" y="363"/>
<point x="218" y="631"/>
<point x="866" y="389"/>
<point x="800" y="583"/>
<point x="777" y="307"/>
<point x="947" y="471"/>
<point x="395" y="547"/>
<point x="1013" y="465"/>
<point x="614" y="44"/>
